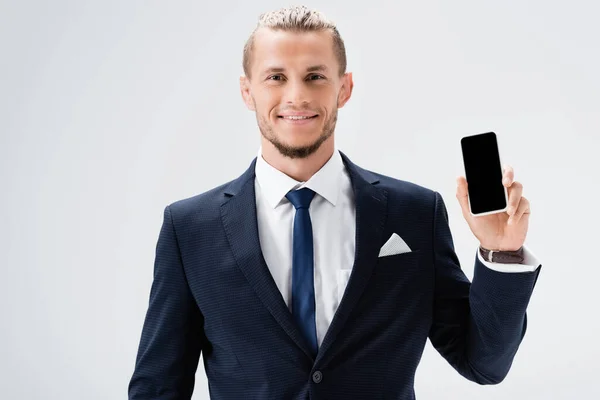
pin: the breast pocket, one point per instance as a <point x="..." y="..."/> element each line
<point x="387" y="268"/>
<point x="398" y="261"/>
<point x="403" y="268"/>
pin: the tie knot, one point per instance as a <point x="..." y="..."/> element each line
<point x="300" y="198"/>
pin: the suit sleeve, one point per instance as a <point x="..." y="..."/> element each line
<point x="172" y="332"/>
<point x="476" y="327"/>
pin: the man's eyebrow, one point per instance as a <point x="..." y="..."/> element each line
<point x="314" y="68"/>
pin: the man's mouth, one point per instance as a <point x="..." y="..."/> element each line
<point x="296" y="117"/>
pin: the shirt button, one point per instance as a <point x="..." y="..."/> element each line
<point x="317" y="377"/>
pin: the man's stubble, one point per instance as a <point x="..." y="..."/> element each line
<point x="267" y="131"/>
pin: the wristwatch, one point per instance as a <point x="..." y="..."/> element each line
<point x="504" y="256"/>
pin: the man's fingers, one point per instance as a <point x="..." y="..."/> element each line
<point x="462" y="194"/>
<point x="515" y="191"/>
<point x="508" y="175"/>
<point x="523" y="209"/>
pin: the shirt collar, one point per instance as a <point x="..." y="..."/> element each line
<point x="274" y="184"/>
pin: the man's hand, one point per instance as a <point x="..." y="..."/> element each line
<point x="500" y="231"/>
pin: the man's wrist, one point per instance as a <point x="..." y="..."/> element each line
<point x="502" y="256"/>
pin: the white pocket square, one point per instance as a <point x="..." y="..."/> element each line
<point x="394" y="245"/>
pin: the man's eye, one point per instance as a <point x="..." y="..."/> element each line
<point x="272" y="77"/>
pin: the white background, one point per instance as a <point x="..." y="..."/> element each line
<point x="110" y="110"/>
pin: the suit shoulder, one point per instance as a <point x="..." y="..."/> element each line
<point x="206" y="203"/>
<point x="407" y="189"/>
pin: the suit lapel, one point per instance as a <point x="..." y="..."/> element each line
<point x="371" y="213"/>
<point x="238" y="215"/>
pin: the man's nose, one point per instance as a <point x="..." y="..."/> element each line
<point x="296" y="93"/>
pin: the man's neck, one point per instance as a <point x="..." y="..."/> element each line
<point x="300" y="169"/>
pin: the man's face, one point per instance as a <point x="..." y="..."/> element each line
<point x="284" y="83"/>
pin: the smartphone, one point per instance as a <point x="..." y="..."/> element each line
<point x="483" y="171"/>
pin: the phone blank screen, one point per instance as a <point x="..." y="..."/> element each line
<point x="483" y="172"/>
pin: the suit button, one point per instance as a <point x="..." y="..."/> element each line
<point x="317" y="377"/>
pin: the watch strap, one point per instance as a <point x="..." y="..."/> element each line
<point x="502" y="256"/>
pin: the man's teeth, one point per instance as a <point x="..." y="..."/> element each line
<point x="296" y="117"/>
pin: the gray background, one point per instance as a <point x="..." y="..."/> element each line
<point x="110" y="110"/>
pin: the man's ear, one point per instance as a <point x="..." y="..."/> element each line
<point x="245" y="91"/>
<point x="346" y="89"/>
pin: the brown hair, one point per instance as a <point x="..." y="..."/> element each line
<point x="296" y="19"/>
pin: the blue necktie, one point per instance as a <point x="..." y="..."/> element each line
<point x="303" y="288"/>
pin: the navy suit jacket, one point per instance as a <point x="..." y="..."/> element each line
<point x="213" y="293"/>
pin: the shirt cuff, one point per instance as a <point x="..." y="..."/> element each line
<point x="530" y="263"/>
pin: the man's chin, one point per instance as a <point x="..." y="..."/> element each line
<point x="298" y="147"/>
<point x="298" y="138"/>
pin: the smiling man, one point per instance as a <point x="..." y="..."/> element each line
<point x="311" y="277"/>
<point x="295" y="81"/>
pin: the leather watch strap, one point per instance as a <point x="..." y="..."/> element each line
<point x="503" y="256"/>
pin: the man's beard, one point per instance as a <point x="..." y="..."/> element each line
<point x="266" y="129"/>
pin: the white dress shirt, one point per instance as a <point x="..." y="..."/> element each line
<point x="332" y="212"/>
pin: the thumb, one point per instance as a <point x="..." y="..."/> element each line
<point x="462" y="194"/>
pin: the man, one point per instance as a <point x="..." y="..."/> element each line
<point x="311" y="277"/>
